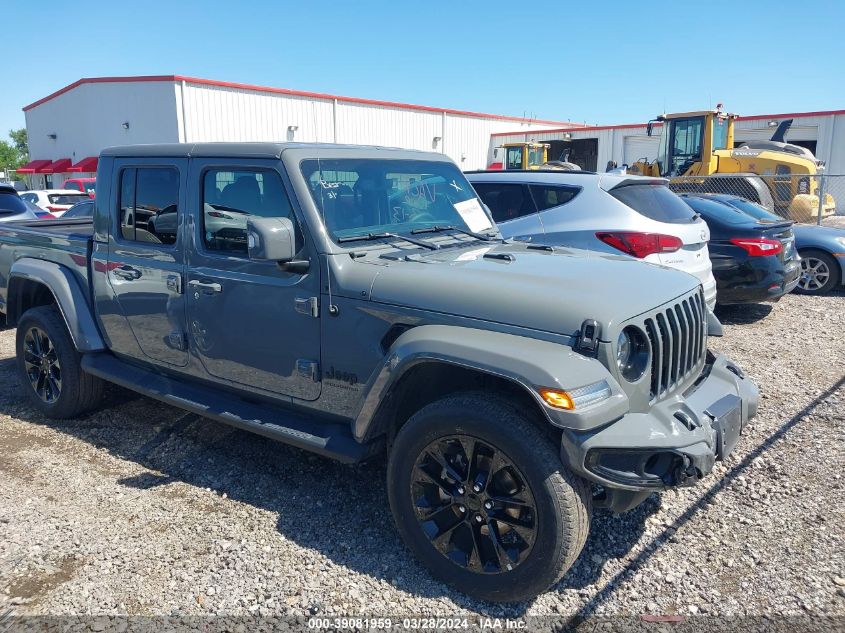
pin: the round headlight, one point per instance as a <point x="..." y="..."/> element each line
<point x="632" y="353"/>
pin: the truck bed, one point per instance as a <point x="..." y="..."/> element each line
<point x="65" y="242"/>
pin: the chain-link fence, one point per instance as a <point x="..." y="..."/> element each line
<point x="811" y="199"/>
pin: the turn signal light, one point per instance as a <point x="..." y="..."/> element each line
<point x="641" y="244"/>
<point x="758" y="247"/>
<point x="557" y="399"/>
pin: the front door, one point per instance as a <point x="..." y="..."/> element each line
<point x="145" y="266"/>
<point x="249" y="322"/>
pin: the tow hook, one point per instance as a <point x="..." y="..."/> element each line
<point x="686" y="474"/>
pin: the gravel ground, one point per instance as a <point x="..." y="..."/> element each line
<point x="142" y="509"/>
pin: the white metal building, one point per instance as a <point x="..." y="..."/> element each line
<point x="822" y="132"/>
<point x="68" y="128"/>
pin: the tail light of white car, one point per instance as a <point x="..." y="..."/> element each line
<point x="640" y="245"/>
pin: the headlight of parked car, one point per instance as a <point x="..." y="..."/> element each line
<point x="632" y="353"/>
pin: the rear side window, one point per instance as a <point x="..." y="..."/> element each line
<point x="231" y="197"/>
<point x="506" y="201"/>
<point x="548" y="196"/>
<point x="654" y="201"/>
<point x="149" y="204"/>
<point x="66" y="198"/>
<point x="11" y="203"/>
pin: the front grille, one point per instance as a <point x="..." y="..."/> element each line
<point x="678" y="336"/>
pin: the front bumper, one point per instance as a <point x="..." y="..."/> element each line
<point x="675" y="443"/>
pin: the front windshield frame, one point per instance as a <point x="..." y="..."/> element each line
<point x="439" y="184"/>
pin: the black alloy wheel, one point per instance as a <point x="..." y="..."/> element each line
<point x="42" y="365"/>
<point x="474" y="505"/>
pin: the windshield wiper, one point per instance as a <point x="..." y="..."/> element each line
<point x="380" y="236"/>
<point x="440" y="229"/>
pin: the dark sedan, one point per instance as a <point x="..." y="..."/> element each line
<point x="822" y="248"/>
<point x="753" y="260"/>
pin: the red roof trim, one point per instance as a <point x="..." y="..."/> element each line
<point x="285" y="91"/>
<point x="86" y="164"/>
<point x="582" y="128"/>
<point x="32" y="166"/>
<point x="753" y="117"/>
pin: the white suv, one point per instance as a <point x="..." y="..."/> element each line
<point x="56" y="201"/>
<point x="601" y="212"/>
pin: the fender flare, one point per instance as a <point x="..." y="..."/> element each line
<point x="527" y="362"/>
<point x="69" y="297"/>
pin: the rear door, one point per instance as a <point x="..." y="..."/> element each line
<point x="250" y="322"/>
<point x="145" y="268"/>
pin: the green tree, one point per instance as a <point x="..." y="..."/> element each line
<point x="19" y="140"/>
<point x="9" y="156"/>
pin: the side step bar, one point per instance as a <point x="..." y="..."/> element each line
<point x="328" y="439"/>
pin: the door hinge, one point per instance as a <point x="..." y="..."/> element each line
<point x="308" y="306"/>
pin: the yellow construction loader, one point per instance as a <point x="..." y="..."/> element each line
<point x="697" y="154"/>
<point x="528" y="155"/>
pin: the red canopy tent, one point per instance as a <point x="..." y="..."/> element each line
<point x="33" y="166"/>
<point x="85" y="165"/>
<point x="58" y="166"/>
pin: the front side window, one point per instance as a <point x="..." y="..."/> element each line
<point x="29" y="197"/>
<point x="507" y="201"/>
<point x="548" y="196"/>
<point x="360" y="196"/>
<point x="231" y="196"/>
<point x="149" y="204"/>
<point x="514" y="158"/>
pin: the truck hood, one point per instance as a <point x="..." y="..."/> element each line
<point x="551" y="292"/>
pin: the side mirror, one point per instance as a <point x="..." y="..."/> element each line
<point x="273" y="239"/>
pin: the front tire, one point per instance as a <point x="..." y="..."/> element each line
<point x="820" y="273"/>
<point x="49" y="368"/>
<point x="480" y="496"/>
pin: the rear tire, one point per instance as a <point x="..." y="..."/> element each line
<point x="820" y="273"/>
<point x="49" y="368"/>
<point x="439" y="488"/>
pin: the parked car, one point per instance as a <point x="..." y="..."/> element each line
<point x="84" y="209"/>
<point x="497" y="380"/>
<point x="753" y="260"/>
<point x="56" y="201"/>
<point x="12" y="207"/>
<point x="608" y="213"/>
<point x="822" y="248"/>
<point x="40" y="213"/>
<point x="85" y="185"/>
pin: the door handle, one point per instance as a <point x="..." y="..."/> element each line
<point x="127" y="272"/>
<point x="205" y="286"/>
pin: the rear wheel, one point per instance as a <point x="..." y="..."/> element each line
<point x="820" y="273"/>
<point x="49" y="366"/>
<point x="481" y="497"/>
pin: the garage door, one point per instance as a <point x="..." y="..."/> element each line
<point x="637" y="147"/>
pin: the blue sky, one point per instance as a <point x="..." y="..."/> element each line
<point x="600" y="62"/>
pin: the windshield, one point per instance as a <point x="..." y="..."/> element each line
<point x="716" y="211"/>
<point x="755" y="210"/>
<point x="535" y="157"/>
<point x="363" y="196"/>
<point x="66" y="198"/>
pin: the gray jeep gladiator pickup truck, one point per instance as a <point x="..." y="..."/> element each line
<point x="359" y="302"/>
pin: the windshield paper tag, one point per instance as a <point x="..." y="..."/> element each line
<point x="473" y="214"/>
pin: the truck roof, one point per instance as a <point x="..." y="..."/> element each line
<point x="240" y="149"/>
